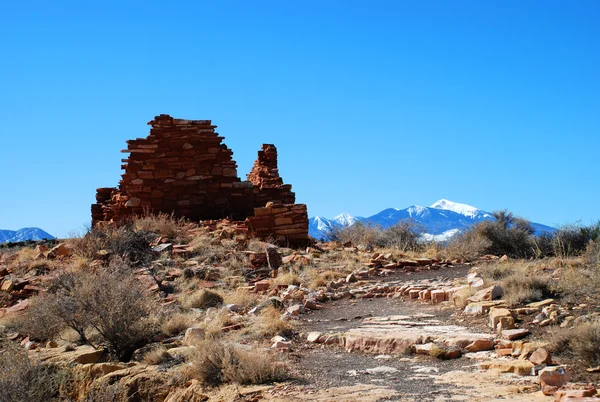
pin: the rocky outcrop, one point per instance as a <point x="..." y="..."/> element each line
<point x="183" y="168"/>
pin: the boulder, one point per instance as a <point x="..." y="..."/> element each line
<point x="193" y="335"/>
<point x="492" y="293"/>
<point x="540" y="356"/>
<point x="554" y="376"/>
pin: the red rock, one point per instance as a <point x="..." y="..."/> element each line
<point x="540" y="356"/>
<point x="262" y="286"/>
<point x="480" y="345"/>
<point x="554" y="376"/>
<point x="513" y="334"/>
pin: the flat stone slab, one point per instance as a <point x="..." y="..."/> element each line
<point x="397" y="334"/>
<point x="522" y="367"/>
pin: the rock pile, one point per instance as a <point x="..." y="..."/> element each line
<point x="183" y="168"/>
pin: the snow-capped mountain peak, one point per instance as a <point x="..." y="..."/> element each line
<point x="345" y="219"/>
<point x="415" y="210"/>
<point x="463" y="209"/>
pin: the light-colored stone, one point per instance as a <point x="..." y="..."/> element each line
<point x="498" y="313"/>
<point x="284" y="346"/>
<point x="492" y="293"/>
<point x="193" y="335"/>
<point x="314" y="337"/>
<point x="514" y="334"/>
<point x="521" y="367"/>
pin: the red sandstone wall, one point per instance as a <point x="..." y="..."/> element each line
<point x="183" y="167"/>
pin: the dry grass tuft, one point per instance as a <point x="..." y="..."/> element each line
<point x="581" y="342"/>
<point x="269" y="323"/>
<point x="522" y="282"/>
<point x="202" y="299"/>
<point x="176" y="324"/>
<point x="157" y="356"/>
<point x="287" y="278"/>
<point x="242" y="298"/>
<point x="25" y="380"/>
<point x="217" y="363"/>
<point x="163" y="224"/>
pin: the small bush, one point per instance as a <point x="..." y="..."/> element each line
<point x="203" y="299"/>
<point x="176" y="324"/>
<point x="522" y="282"/>
<point x="522" y="288"/>
<point x="581" y="342"/>
<point x="467" y="246"/>
<point x="25" y="380"/>
<point x="269" y="323"/>
<point x="402" y="236"/>
<point x="592" y="253"/>
<point x="162" y="224"/>
<point x="216" y="363"/>
<point x="111" y="301"/>
<point x="157" y="356"/>
<point x="123" y="242"/>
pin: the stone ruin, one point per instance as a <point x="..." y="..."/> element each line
<point x="183" y="168"/>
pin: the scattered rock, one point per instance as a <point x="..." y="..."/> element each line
<point x="521" y="367"/>
<point x="513" y="334"/>
<point x="555" y="376"/>
<point x="193" y="335"/>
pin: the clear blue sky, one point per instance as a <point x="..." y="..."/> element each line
<point x="372" y="104"/>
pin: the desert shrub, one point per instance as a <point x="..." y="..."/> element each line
<point x="403" y="236"/>
<point x="118" y="307"/>
<point x="592" y="253"/>
<point x="41" y="321"/>
<point x="506" y="235"/>
<point x="581" y="342"/>
<point x="579" y="283"/>
<point x="203" y="299"/>
<point x="523" y="288"/>
<point x="544" y="245"/>
<point x="124" y="242"/>
<point x="106" y="392"/>
<point x="570" y="240"/>
<point x="110" y="301"/>
<point x="360" y="233"/>
<point x="166" y="225"/>
<point x="521" y="282"/>
<point x="25" y="380"/>
<point x="286" y="278"/>
<point x="467" y="246"/>
<point x="217" y="363"/>
<point x="207" y="250"/>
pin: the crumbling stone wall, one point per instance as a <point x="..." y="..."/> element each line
<point x="184" y="168"/>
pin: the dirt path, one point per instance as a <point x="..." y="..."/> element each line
<point x="328" y="373"/>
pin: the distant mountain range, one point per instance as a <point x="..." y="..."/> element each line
<point x="440" y="221"/>
<point x="24" y="234"/>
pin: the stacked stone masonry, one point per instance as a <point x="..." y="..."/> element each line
<point x="183" y="168"/>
